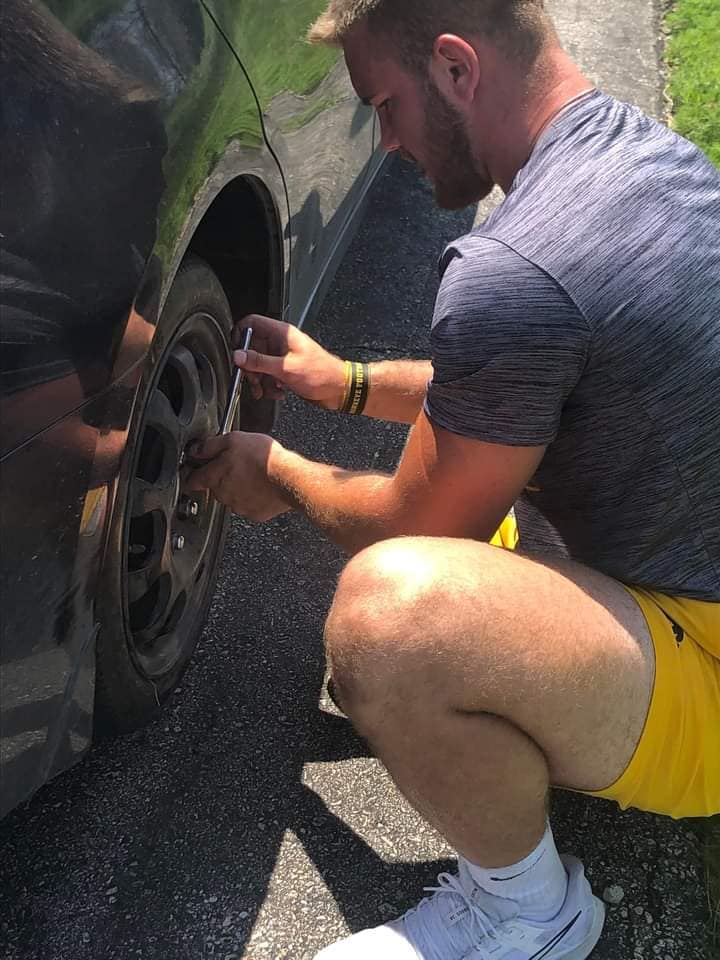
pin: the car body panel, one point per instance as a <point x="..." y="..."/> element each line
<point x="123" y="134"/>
<point x="310" y="114"/>
<point x="57" y="495"/>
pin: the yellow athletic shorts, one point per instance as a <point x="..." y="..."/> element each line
<point x="676" y="767"/>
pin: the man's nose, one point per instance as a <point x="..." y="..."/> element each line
<point x="388" y="140"/>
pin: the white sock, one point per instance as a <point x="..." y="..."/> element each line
<point x="538" y="883"/>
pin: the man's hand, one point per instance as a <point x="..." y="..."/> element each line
<point x="446" y="485"/>
<point x="239" y="474"/>
<point x="284" y="358"/>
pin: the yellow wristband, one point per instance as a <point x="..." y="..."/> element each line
<point x="348" y="386"/>
<point x="357" y="387"/>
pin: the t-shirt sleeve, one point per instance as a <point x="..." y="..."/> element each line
<point x="508" y="346"/>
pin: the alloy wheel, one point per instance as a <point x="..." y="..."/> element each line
<point x="170" y="534"/>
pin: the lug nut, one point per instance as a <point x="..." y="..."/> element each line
<point x="178" y="541"/>
<point x="188" y="508"/>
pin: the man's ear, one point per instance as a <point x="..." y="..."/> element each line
<point x="455" y="68"/>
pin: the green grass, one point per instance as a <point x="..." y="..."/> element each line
<point x="693" y="56"/>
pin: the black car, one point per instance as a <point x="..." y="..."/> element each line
<point x="167" y="167"/>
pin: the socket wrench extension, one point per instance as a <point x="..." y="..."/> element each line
<point x="235" y="388"/>
<point x="188" y="460"/>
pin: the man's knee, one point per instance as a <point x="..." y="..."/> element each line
<point x="374" y="629"/>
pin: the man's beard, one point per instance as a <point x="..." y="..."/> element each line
<point x="451" y="165"/>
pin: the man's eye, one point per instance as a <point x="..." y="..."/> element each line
<point x="384" y="105"/>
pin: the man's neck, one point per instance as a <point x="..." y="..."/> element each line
<point x="527" y="111"/>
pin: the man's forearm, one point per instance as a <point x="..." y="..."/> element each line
<point x="351" y="508"/>
<point x="397" y="389"/>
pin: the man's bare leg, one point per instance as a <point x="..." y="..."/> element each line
<point x="481" y="676"/>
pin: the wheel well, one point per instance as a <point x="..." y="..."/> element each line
<point x="237" y="237"/>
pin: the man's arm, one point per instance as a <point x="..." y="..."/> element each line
<point x="285" y="358"/>
<point x="397" y="389"/>
<point x="445" y="485"/>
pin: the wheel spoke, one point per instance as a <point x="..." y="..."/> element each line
<point x="183" y="567"/>
<point x="208" y="380"/>
<point x="158" y="586"/>
<point x="140" y="582"/>
<point x="162" y="417"/>
<point x="189" y="400"/>
<point x="148" y="497"/>
<point x="151" y="592"/>
<point x="206" y="421"/>
<point x="154" y="612"/>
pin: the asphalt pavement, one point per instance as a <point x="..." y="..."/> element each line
<point x="246" y="823"/>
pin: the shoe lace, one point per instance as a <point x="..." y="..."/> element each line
<point x="439" y="934"/>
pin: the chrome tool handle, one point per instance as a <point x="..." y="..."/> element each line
<point x="234" y="398"/>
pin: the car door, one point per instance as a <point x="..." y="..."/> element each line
<point x="319" y="130"/>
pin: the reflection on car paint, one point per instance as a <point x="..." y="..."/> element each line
<point x="310" y="113"/>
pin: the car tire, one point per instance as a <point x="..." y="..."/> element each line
<point x="163" y="553"/>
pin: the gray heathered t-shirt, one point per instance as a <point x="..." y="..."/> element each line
<point x="585" y="314"/>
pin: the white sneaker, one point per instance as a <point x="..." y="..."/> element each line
<point x="463" y="922"/>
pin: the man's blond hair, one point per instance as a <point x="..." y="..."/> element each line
<point x="518" y="28"/>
